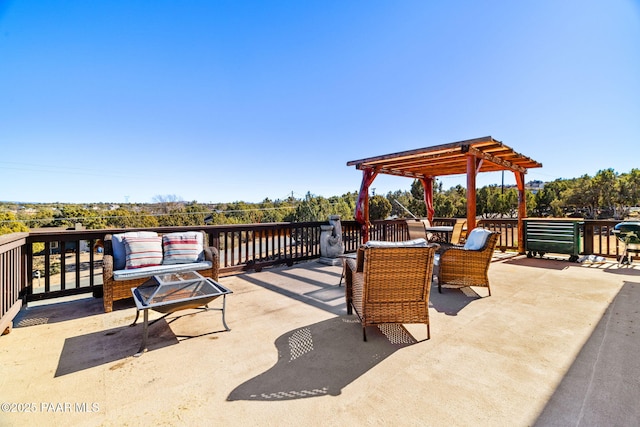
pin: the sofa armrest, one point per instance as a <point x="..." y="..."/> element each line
<point x="107" y="266"/>
<point x="211" y="254"/>
<point x="107" y="258"/>
<point x="107" y="274"/>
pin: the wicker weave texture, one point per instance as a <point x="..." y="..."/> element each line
<point x="118" y="290"/>
<point x="462" y="267"/>
<point x="393" y="286"/>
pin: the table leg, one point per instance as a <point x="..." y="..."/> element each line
<point x="145" y="334"/>
<point x="224" y="303"/>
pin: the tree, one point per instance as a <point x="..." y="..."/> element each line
<point x="550" y="200"/>
<point x="125" y="218"/>
<point x="605" y="185"/>
<point x="583" y="196"/>
<point x="379" y="207"/>
<point x="628" y="193"/>
<point x="167" y="202"/>
<point x="10" y="224"/>
<point x="312" y="208"/>
<point x="42" y="217"/>
<point x="458" y="195"/>
<point x="402" y="197"/>
<point x="70" y="215"/>
<point x="416" y="204"/>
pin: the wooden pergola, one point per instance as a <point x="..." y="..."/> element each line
<point x="468" y="157"/>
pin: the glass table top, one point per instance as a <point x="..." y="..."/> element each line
<point x="177" y="287"/>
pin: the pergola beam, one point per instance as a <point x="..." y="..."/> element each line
<point x="497" y="160"/>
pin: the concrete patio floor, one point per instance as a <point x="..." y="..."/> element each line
<point x="557" y="343"/>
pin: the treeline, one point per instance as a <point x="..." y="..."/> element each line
<point x="171" y="211"/>
<point x="605" y="195"/>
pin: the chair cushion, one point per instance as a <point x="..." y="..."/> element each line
<point x="415" y="243"/>
<point x="182" y="248"/>
<point x="143" y="251"/>
<point x="119" y="253"/>
<point x="476" y="239"/>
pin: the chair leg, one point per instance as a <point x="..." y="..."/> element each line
<point x="428" y="332"/>
<point x="364" y="333"/>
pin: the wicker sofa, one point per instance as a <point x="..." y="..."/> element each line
<point x="390" y="284"/>
<point x="461" y="266"/>
<point x="118" y="279"/>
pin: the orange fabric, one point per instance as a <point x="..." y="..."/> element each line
<point x="427" y="185"/>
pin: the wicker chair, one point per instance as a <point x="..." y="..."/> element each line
<point x="390" y="285"/>
<point x="465" y="267"/>
<point x="114" y="290"/>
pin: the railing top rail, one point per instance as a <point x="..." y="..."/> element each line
<point x="13" y="237"/>
<point x="11" y="241"/>
<point x="168" y="229"/>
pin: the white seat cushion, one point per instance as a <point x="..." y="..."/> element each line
<point x="120" y="275"/>
<point x="415" y="243"/>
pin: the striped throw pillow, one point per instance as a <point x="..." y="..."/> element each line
<point x="182" y="248"/>
<point x="142" y="251"/>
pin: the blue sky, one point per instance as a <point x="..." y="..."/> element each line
<point x="221" y="101"/>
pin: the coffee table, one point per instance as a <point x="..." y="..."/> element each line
<point x="168" y="293"/>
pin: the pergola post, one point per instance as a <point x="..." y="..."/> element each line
<point x="471" y="192"/>
<point x="362" y="205"/>
<point x="522" y="209"/>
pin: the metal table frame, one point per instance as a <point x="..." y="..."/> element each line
<point x="200" y="302"/>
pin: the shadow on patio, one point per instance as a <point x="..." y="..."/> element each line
<point x="602" y="387"/>
<point x="321" y="359"/>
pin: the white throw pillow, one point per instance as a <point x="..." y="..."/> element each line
<point x="183" y="248"/>
<point x="143" y="251"/>
<point x="476" y="239"/>
<point x="117" y="245"/>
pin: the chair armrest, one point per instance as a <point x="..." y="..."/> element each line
<point x="359" y="260"/>
<point x="462" y="255"/>
<point x="446" y="246"/>
<point x="357" y="292"/>
<point x="352" y="265"/>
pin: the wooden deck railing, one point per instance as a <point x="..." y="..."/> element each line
<point x="71" y="261"/>
<point x="508" y="229"/>
<point x="596" y="237"/>
<point x="12" y="275"/>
